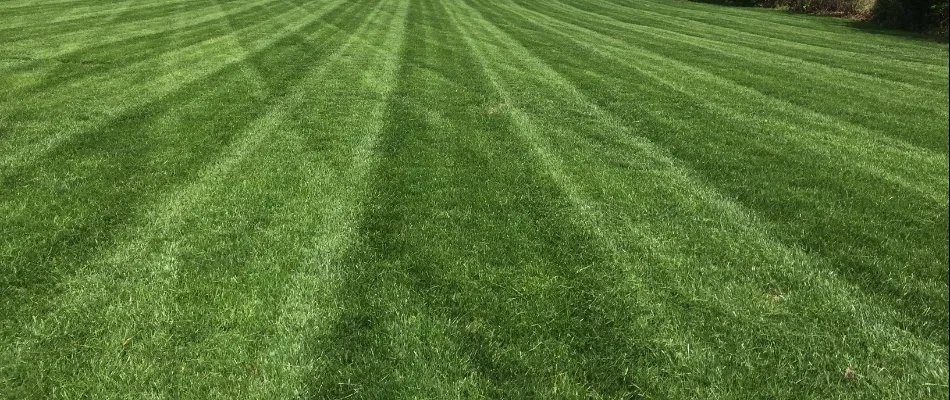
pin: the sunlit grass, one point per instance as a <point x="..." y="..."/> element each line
<point x="463" y="199"/>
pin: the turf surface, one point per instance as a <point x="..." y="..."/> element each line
<point x="468" y="198"/>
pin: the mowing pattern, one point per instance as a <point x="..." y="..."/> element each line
<point x="468" y="198"/>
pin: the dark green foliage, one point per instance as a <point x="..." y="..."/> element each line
<point x="921" y="15"/>
<point x="915" y="15"/>
<point x="840" y="7"/>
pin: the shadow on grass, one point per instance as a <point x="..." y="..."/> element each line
<point x="862" y="23"/>
<point x="876" y="28"/>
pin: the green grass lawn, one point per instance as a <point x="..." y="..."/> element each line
<point x="441" y="199"/>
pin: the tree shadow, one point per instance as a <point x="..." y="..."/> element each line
<point x="877" y="28"/>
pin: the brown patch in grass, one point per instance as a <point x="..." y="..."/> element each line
<point x="848" y="374"/>
<point x="775" y="296"/>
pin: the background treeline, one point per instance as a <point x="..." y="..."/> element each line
<point x="917" y="15"/>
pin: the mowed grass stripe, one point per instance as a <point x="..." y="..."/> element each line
<point x="583" y="154"/>
<point x="117" y="174"/>
<point x="251" y="264"/>
<point x="25" y="4"/>
<point x="802" y="95"/>
<point x="170" y="70"/>
<point x="105" y="58"/>
<point x="878" y="147"/>
<point x="481" y="269"/>
<point x="234" y="79"/>
<point x="804" y="90"/>
<point x="619" y="50"/>
<point x="338" y="369"/>
<point x="439" y="199"/>
<point x="27" y="71"/>
<point x="783" y="199"/>
<point x="765" y="39"/>
<point x="116" y="17"/>
<point x="135" y="56"/>
<point x="309" y="303"/>
<point x="26" y="226"/>
<point x="79" y="47"/>
<point x="834" y="34"/>
<point x="824" y="131"/>
<point x="260" y="211"/>
<point x="123" y="24"/>
<point x="831" y="34"/>
<point x="864" y="65"/>
<point x="79" y="12"/>
<point x="38" y="9"/>
<point x="146" y="282"/>
<point x="938" y="192"/>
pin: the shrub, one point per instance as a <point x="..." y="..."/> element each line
<point x="843" y="7"/>
<point x="911" y="14"/>
<point x="918" y="15"/>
